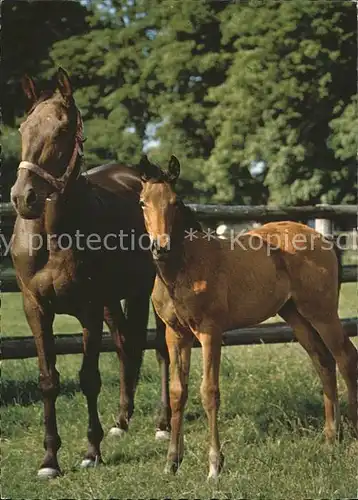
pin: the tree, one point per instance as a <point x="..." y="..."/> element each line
<point x="143" y="71"/>
<point x="255" y="98"/>
<point x="29" y="29"/>
<point x="292" y="75"/>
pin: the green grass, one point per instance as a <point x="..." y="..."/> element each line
<point x="271" y="421"/>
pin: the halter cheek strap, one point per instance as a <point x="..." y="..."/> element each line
<point x="60" y="183"/>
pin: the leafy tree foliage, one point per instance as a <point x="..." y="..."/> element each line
<point x="257" y="99"/>
<point x="292" y="74"/>
<point x="28" y="31"/>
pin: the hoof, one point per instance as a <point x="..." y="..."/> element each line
<point x="90" y="462"/>
<point x="117" y="432"/>
<point x="171" y="468"/>
<point x="215" y="466"/>
<point x="213" y="475"/>
<point x="48" y="473"/>
<point x="162" y="435"/>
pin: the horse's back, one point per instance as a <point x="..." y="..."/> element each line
<point x="117" y="178"/>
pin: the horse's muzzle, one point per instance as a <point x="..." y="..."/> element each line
<point x="27" y="204"/>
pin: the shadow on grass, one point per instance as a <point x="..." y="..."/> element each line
<point x="27" y="392"/>
<point x="121" y="457"/>
<point x="299" y="415"/>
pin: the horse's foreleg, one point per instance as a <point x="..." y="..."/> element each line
<point x="90" y="381"/>
<point x="162" y="354"/>
<point x="210" y="395"/>
<point x="179" y="346"/>
<point x="40" y="321"/>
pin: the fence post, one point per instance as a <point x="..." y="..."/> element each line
<point x="324" y="226"/>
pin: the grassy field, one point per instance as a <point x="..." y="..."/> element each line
<point x="271" y="421"/>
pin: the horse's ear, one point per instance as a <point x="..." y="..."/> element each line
<point x="173" y="169"/>
<point x="64" y="83"/>
<point x="28" y="86"/>
<point x="144" y="167"/>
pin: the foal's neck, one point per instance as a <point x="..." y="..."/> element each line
<point x="171" y="264"/>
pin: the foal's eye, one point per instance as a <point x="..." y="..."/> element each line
<point x="141" y="203"/>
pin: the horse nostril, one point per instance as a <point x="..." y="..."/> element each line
<point x="31" y="198"/>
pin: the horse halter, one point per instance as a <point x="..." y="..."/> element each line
<point x="60" y="183"/>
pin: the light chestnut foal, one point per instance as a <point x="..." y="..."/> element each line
<point x="204" y="288"/>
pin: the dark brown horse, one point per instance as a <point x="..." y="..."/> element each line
<point x="214" y="286"/>
<point x="79" y="247"/>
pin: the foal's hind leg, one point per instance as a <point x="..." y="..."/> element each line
<point x="346" y="355"/>
<point x="323" y="362"/>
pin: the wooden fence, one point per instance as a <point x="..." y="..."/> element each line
<point x="324" y="215"/>
<point x="71" y="343"/>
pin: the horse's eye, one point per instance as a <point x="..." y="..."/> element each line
<point x="141" y="203"/>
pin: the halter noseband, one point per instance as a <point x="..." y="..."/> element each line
<point x="60" y="183"/>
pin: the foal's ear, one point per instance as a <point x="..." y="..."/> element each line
<point x="173" y="169"/>
<point x="64" y="83"/>
<point x="28" y="86"/>
<point x="145" y="168"/>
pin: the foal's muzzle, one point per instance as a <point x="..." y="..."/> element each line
<point x="158" y="251"/>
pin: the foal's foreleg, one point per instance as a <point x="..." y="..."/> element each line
<point x="90" y="381"/>
<point x="210" y="395"/>
<point x="40" y="322"/>
<point x="346" y="356"/>
<point x="179" y="346"/>
<point x="162" y="354"/>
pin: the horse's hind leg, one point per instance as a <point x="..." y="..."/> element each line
<point x="323" y="362"/>
<point x="90" y="381"/>
<point x="130" y="335"/>
<point x="331" y="332"/>
<point x="163" y="425"/>
<point x="117" y="324"/>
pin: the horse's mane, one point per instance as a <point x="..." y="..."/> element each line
<point x="44" y="96"/>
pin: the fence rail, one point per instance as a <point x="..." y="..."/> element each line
<point x="239" y="213"/>
<point x="263" y="213"/>
<point x="24" y="347"/>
